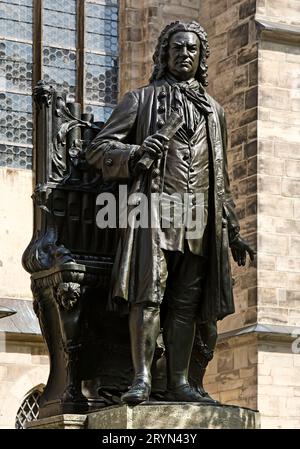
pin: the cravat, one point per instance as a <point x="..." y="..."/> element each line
<point x="193" y="92"/>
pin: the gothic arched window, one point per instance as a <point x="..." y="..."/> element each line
<point x="29" y="409"/>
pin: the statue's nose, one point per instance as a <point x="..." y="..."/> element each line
<point x="184" y="51"/>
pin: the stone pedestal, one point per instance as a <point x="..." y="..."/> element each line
<point x="59" y="422"/>
<point x="156" y="415"/>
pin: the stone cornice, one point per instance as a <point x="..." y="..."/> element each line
<point x="289" y="332"/>
<point x="24" y="324"/>
<point x="278" y="32"/>
<point x="24" y="321"/>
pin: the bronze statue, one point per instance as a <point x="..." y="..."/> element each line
<point x="169" y="139"/>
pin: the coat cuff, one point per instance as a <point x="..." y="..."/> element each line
<point x="116" y="162"/>
<point x="232" y="221"/>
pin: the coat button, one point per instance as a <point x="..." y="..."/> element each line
<point x="161" y="109"/>
<point x="185" y="158"/>
<point x="192" y="170"/>
<point x="162" y="94"/>
<point x="109" y="162"/>
<point x="155" y="187"/>
<point x="156" y="172"/>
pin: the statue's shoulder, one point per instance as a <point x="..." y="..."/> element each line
<point x="139" y="93"/>
<point x="148" y="89"/>
<point x="219" y="109"/>
<point x="143" y="93"/>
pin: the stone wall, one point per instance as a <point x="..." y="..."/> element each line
<point x="260" y="371"/>
<point x="279" y="179"/>
<point x="232" y="374"/>
<point x="278" y="212"/>
<point x="278" y="384"/>
<point x="280" y="11"/>
<point x="23" y="365"/>
<point x="16" y="215"/>
<point x="279" y="184"/>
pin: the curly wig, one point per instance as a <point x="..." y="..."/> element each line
<point x="160" y="56"/>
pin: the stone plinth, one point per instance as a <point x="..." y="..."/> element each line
<point x="157" y="416"/>
<point x="59" y="422"/>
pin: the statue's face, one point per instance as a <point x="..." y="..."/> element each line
<point x="183" y="55"/>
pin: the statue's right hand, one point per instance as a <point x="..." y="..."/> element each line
<point x="153" y="146"/>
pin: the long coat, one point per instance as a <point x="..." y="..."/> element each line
<point x="136" y="272"/>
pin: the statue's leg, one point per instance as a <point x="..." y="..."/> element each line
<point x="144" y="326"/>
<point x="183" y="296"/>
<point x="203" y="351"/>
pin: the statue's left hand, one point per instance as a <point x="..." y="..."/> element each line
<point x="239" y="250"/>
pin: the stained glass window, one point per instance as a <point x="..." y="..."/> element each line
<point x="16" y="57"/>
<point x="59" y="45"/>
<point x="60" y="63"/>
<point x="101" y="58"/>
